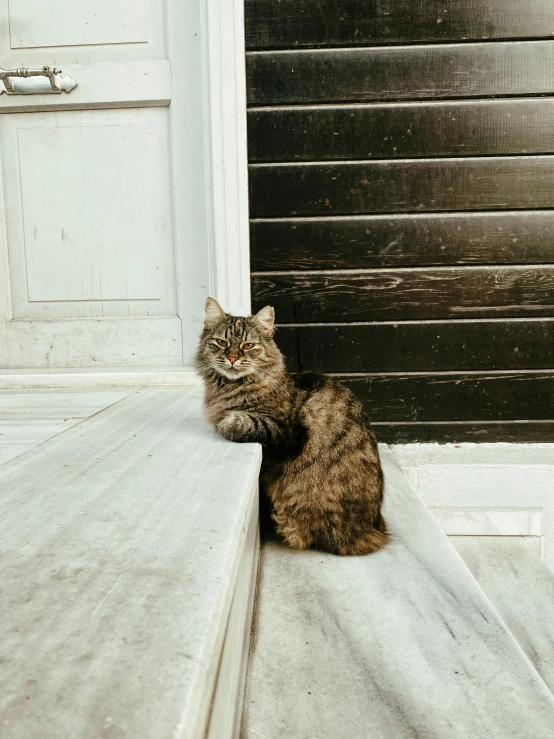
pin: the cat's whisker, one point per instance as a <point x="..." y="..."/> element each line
<point x="273" y="380"/>
<point x="263" y="375"/>
<point x="277" y="384"/>
<point x="204" y="367"/>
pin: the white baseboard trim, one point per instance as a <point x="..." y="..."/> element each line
<point x="489" y="521"/>
<point x="486" y="489"/>
<point x="32" y="378"/>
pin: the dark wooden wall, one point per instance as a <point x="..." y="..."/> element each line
<point x="402" y="206"/>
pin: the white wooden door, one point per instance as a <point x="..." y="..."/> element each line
<point x="102" y="199"/>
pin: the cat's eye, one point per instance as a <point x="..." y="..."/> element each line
<point x="247" y="346"/>
<point x="221" y="342"/>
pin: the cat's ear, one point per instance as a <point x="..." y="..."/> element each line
<point x="213" y="313"/>
<point x="265" y="320"/>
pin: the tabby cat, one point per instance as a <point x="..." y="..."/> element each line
<point x="321" y="469"/>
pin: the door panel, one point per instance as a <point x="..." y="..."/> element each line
<point x="93" y="343"/>
<point x="69" y="32"/>
<point x="36" y="23"/>
<point x="78" y="247"/>
<point x="93" y="221"/>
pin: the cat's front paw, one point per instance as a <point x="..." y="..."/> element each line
<point x="233" y="425"/>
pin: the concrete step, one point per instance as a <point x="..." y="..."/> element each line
<point x="399" y="644"/>
<point x="512" y="481"/>
<point x="521" y="588"/>
<point x="128" y="554"/>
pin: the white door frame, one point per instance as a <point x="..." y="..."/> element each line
<point x="223" y="86"/>
<point x="226" y="152"/>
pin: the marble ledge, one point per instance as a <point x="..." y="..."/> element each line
<point x="122" y="543"/>
<point x="97" y="377"/>
<point x="474" y="455"/>
<point x="521" y="588"/>
<point x="402" y="644"/>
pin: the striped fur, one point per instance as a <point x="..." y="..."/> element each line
<point x="321" y="469"/>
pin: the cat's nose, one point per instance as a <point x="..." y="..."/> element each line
<point x="232" y="359"/>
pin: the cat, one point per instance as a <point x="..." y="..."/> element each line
<point x="321" y="469"/>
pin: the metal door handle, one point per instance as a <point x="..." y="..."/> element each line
<point x="23" y="81"/>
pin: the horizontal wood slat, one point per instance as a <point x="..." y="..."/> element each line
<point x="415" y="347"/>
<point x="476" y="128"/>
<point x="455" y="397"/>
<point x="407" y="294"/>
<point x="400" y="73"/>
<point x="282" y="23"/>
<point x="411" y="185"/>
<point x="402" y="241"/>
<point x="508" y="431"/>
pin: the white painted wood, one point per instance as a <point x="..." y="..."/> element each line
<point x="35" y="23"/>
<point x="225" y="83"/>
<point x="94" y="342"/>
<point x="116" y="604"/>
<point x="97" y="210"/>
<point x="100" y="377"/>
<point x="125" y="22"/>
<point x="88" y="199"/>
<point x="489" y="522"/>
<point x="521" y="588"/>
<point x="188" y="148"/>
<point x="58" y="404"/>
<point x="102" y="85"/>
<point x="90" y="232"/>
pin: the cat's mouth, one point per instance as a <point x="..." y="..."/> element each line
<point x="232" y="372"/>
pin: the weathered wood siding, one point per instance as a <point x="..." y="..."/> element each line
<point x="402" y="206"/>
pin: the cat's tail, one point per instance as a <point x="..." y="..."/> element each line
<point x="369" y="541"/>
<point x="379" y="523"/>
<point x="342" y="541"/>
